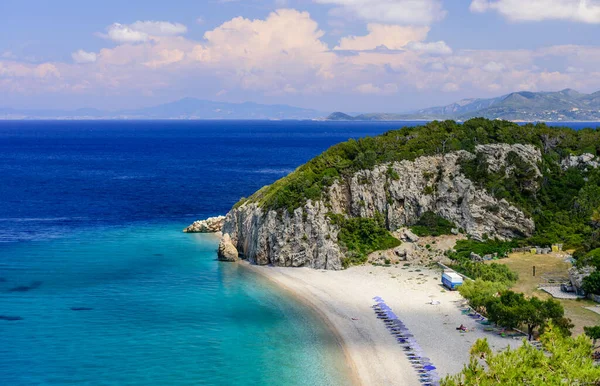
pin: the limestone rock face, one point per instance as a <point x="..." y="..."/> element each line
<point x="305" y="238"/>
<point x="401" y="191"/>
<point x="227" y="251"/>
<point x="580" y="161"/>
<point x="210" y="225"/>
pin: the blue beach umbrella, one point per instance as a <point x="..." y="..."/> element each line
<point x="429" y="367"/>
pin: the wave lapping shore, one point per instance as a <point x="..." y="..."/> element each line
<point x="344" y="299"/>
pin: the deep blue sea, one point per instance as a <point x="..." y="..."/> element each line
<point x="99" y="286"/>
<point x="91" y="215"/>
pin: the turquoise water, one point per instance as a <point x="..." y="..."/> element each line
<point x="90" y="218"/>
<point x="162" y="311"/>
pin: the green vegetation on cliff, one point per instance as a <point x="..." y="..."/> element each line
<point x="463" y="248"/>
<point x="562" y="203"/>
<point x="430" y="224"/>
<point x="362" y="236"/>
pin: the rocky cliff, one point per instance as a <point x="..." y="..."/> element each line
<point x="400" y="191"/>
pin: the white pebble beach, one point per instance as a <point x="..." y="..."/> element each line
<point x="344" y="300"/>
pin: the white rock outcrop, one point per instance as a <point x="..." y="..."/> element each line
<point x="210" y="225"/>
<point x="227" y="251"/>
<point x="307" y="238"/>
<point x="580" y="161"/>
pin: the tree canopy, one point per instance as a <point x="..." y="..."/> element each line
<point x="563" y="361"/>
<point x="480" y="292"/>
<point x="593" y="332"/>
<point x="591" y="283"/>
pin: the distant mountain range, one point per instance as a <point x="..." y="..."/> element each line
<point x="187" y="108"/>
<point x="565" y="105"/>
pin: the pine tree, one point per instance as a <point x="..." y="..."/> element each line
<point x="563" y="361"/>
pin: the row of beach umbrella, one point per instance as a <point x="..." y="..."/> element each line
<point x="426" y="371"/>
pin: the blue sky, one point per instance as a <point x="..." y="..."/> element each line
<point x="349" y="55"/>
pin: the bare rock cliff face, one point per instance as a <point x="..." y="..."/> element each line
<point x="581" y="161"/>
<point x="401" y="191"/>
<point x="305" y="238"/>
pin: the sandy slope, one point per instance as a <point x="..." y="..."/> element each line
<point x="341" y="296"/>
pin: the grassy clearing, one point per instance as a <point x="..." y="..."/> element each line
<point x="522" y="264"/>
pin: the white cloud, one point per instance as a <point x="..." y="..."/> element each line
<point x="584" y="11"/>
<point x="159" y="28"/>
<point x="21" y="70"/>
<point x="370" y="88"/>
<point x="121" y="33"/>
<point x="493" y="67"/>
<point x="263" y="54"/>
<point x="166" y="57"/>
<point x="8" y="55"/>
<point x="141" y="31"/>
<point x="393" y="37"/>
<point x="437" y="66"/>
<point x="423" y="12"/>
<point x="460" y="61"/>
<point x="434" y="48"/>
<point x="82" y="56"/>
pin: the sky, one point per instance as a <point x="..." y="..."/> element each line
<point x="329" y="55"/>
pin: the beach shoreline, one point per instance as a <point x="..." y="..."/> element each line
<point x="343" y="300"/>
<point x="353" y="377"/>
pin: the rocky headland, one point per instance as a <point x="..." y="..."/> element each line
<point x="490" y="180"/>
<point x="210" y="225"/>
<point x="401" y="191"/>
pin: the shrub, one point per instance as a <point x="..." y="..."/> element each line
<point x="563" y="361"/>
<point x="480" y="292"/>
<point x="591" y="284"/>
<point x="493" y="272"/>
<point x="362" y="236"/>
<point x="591" y="258"/>
<point x="463" y="248"/>
<point x="430" y="224"/>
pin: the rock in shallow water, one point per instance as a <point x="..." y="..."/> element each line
<point x="210" y="225"/>
<point x="227" y="251"/>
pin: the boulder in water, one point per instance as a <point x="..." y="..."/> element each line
<point x="227" y="251"/>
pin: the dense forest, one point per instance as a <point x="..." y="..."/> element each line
<point x="565" y="207"/>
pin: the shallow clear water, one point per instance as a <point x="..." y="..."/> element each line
<point x="161" y="311"/>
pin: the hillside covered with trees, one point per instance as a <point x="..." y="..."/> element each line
<point x="564" y="205"/>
